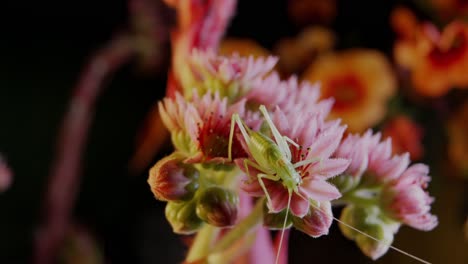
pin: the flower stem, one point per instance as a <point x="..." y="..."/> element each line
<point x="362" y="196"/>
<point x="64" y="176"/>
<point x="241" y="229"/>
<point x="201" y="245"/>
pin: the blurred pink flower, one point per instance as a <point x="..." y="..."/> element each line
<point x="317" y="140"/>
<point x="6" y="176"/>
<point x="405" y="198"/>
<point x="201" y="25"/>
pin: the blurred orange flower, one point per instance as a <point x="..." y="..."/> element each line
<point x="297" y="53"/>
<point x="406" y="136"/>
<point x="361" y="82"/>
<point x="304" y="12"/>
<point x="457" y="129"/>
<point x="448" y="9"/>
<point x="438" y="61"/>
<point x="243" y="47"/>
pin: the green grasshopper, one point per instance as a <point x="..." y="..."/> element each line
<point x="272" y="158"/>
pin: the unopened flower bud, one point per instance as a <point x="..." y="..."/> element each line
<point x="370" y="247"/>
<point x="172" y="180"/>
<point x="276" y="220"/>
<point x="372" y="222"/>
<point x="345" y="182"/>
<point x="317" y="221"/>
<point x="182" y="217"/>
<point x="218" y="206"/>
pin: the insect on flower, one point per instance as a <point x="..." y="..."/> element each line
<point x="272" y="159"/>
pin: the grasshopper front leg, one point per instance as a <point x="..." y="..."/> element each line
<point x="235" y="119"/>
<point x="262" y="176"/>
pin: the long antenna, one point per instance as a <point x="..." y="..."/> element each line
<point x="284" y="226"/>
<point x="376" y="239"/>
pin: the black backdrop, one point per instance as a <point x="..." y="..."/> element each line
<point x="43" y="45"/>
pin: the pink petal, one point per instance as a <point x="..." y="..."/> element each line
<point x="196" y="158"/>
<point x="391" y="169"/>
<point x="252" y="187"/>
<point x="327" y="143"/>
<point x="299" y="205"/>
<point x="424" y="222"/>
<point x="279" y="197"/>
<point x="328" y="168"/>
<point x="319" y="190"/>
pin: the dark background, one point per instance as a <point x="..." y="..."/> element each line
<point x="43" y="46"/>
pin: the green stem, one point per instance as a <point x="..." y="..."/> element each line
<point x="356" y="196"/>
<point x="241" y="229"/>
<point x="201" y="246"/>
<point x="206" y="236"/>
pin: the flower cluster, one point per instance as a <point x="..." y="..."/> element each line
<point x="239" y="128"/>
<point x="382" y="192"/>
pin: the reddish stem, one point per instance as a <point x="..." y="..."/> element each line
<point x="283" y="256"/>
<point x="63" y="181"/>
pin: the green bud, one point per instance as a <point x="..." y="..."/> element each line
<point x="354" y="216"/>
<point x="276" y="220"/>
<point x="345" y="182"/>
<point x="182" y="217"/>
<point x="216" y="166"/>
<point x="371" y="221"/>
<point x="217" y="206"/>
<point x="172" y="180"/>
<point x="369" y="246"/>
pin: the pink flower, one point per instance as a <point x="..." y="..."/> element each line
<point x="317" y="140"/>
<point x="399" y="189"/>
<point x="356" y="149"/>
<point x="231" y="76"/>
<point x="201" y="128"/>
<point x="289" y="95"/>
<point x="405" y="199"/>
<point x="370" y="155"/>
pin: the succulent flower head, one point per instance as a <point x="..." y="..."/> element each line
<point x="317" y="140"/>
<point x="230" y="76"/>
<point x="388" y="191"/>
<point x="200" y="129"/>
